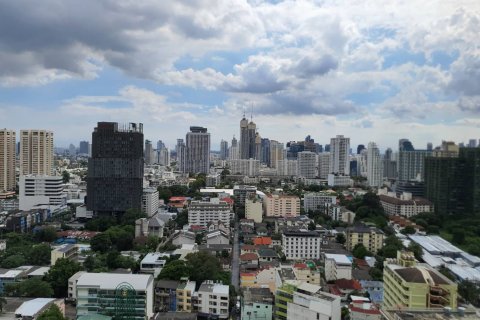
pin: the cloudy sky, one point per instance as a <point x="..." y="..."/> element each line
<point x="373" y="70"/>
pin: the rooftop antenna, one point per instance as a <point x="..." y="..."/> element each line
<point x="251" y="114"/>
<point x="243" y="112"/>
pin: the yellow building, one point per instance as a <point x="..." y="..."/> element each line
<point x="281" y="205"/>
<point x="407" y="285"/>
<point x="184" y="292"/>
<point x="370" y="237"/>
<point x="67" y="251"/>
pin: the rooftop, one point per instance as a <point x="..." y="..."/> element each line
<point x="209" y="286"/>
<point x="431" y="314"/>
<point x="338" y="258"/>
<point x="258" y="295"/>
<point x="32" y="307"/>
<point x="154" y="257"/>
<point x="111" y="280"/>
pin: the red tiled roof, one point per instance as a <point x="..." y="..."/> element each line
<point x="348" y="284"/>
<point x="195" y="227"/>
<point x="177" y="199"/>
<point x="334" y="290"/>
<point x="262" y="241"/>
<point x="366" y="311"/>
<point x="360" y="262"/>
<point x="247" y="274"/>
<point x="300" y="266"/>
<point x="228" y="200"/>
<point x="248" y="256"/>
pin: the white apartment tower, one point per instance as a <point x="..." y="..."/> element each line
<point x="323" y="165"/>
<point x="339" y="149"/>
<point x="276" y="153"/>
<point x="374" y="166"/>
<point x="7" y="160"/>
<point x="36" y="152"/>
<point x="234" y="152"/>
<point x="198" y="150"/>
<point x="180" y="149"/>
<point x="307" y="164"/>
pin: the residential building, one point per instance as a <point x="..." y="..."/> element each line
<point x="185" y="292"/>
<point x="66" y="251"/>
<point x="197" y="150"/>
<point x="213" y="299"/>
<point x="242" y="192"/>
<point x="181" y="150"/>
<point x="36" y="152"/>
<point x="163" y="157"/>
<point x="247" y="167"/>
<point x="281" y="205"/>
<point x="200" y="213"/>
<point x="166" y="295"/>
<point x="339" y="213"/>
<point x="276" y="153"/>
<point x="257" y="304"/>
<point x="254" y="209"/>
<point x="287" y="168"/>
<point x="316" y="201"/>
<point x="284" y="298"/>
<point x="234" y="151"/>
<point x="260" y="278"/>
<point x="307" y="164"/>
<point x="339" y="151"/>
<point x="217" y="237"/>
<point x="308" y="302"/>
<point x="370" y="237"/>
<point x="72" y="286"/>
<point x="389" y="165"/>
<point x="364" y="310"/>
<point x="40" y="190"/>
<point x="181" y="237"/>
<point x="301" y="244"/>
<point x="406" y="205"/>
<point x="307" y="273"/>
<point x="115" y="169"/>
<point x="153" y="263"/>
<point x="411" y="164"/>
<point x="408" y="285"/>
<point x="150" y="201"/>
<point x="7" y="160"/>
<point x="149" y="153"/>
<point x="223" y="150"/>
<point x="115" y="294"/>
<point x="323" y="165"/>
<point x="374" y="166"/>
<point x="247" y="139"/>
<point x="152" y="226"/>
<point x="339" y="181"/>
<point x="337" y="266"/>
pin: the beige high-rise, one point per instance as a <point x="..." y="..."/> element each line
<point x="36" y="152"/>
<point x="7" y="160"/>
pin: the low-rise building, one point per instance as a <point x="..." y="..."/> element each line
<point x="153" y="263"/>
<point x="254" y="209"/>
<point x="316" y="201"/>
<point x="307" y="273"/>
<point x="339" y="213"/>
<point x="37" y="190"/>
<point x="301" y="244"/>
<point x="257" y="304"/>
<point x="181" y="237"/>
<point x="66" y="251"/>
<point x="364" y="310"/>
<point x="185" y="291"/>
<point x="113" y="294"/>
<point x="281" y="205"/>
<point x="166" y="295"/>
<point x="200" y="213"/>
<point x="370" y="237"/>
<point x="335" y="180"/>
<point x="150" y="201"/>
<point x="217" y="237"/>
<point x="406" y="205"/>
<point x="337" y="266"/>
<point x="213" y="300"/>
<point x="32" y="309"/>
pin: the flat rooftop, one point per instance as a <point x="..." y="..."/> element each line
<point x="32" y="307"/>
<point x="338" y="258"/>
<point x="214" y="288"/>
<point x="111" y="280"/>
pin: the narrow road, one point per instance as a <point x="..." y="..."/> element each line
<point x="235" y="259"/>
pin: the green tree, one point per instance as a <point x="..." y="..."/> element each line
<point x="13" y="261"/>
<point x="312" y="226"/>
<point x="65" y="176"/>
<point x="175" y="270"/>
<point x="416" y="249"/>
<point x="458" y="236"/>
<point x="181" y="219"/>
<point x="59" y="274"/>
<point x="3" y="302"/>
<point x="46" y="234"/>
<point x="340" y="238"/>
<point x="359" y="251"/>
<point x="152" y="242"/>
<point x="131" y="215"/>
<point x="52" y="313"/>
<point x="408" y="230"/>
<point x="203" y="266"/>
<point x="101" y="242"/>
<point x="40" y="255"/>
<point x="34" y="288"/>
<point x="470" y="292"/>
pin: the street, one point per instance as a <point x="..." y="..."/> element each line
<point x="235" y="259"/>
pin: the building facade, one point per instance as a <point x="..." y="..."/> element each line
<point x="7" y="160"/>
<point x="254" y="210"/>
<point x="198" y="150"/>
<point x="307" y="164"/>
<point x="36" y="152"/>
<point x="339" y="151"/>
<point x="281" y="205"/>
<point x="115" y="170"/>
<point x="374" y="166"/>
<point x="301" y="244"/>
<point x="150" y="201"/>
<point x="316" y="201"/>
<point x="213" y="299"/>
<point x="200" y="213"/>
<point x="370" y="237"/>
<point x="337" y="266"/>
<point x="40" y="190"/>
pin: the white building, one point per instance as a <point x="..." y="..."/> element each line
<point x="301" y="244"/>
<point x="406" y="205"/>
<point x="247" y="167"/>
<point x="72" y="285"/>
<point x="339" y="213"/>
<point x="164" y="157"/>
<point x="317" y="200"/>
<point x="323" y="165"/>
<point x="32" y="309"/>
<point x="339" y="181"/>
<point x="307" y="164"/>
<point x="41" y="190"/>
<point x="337" y="266"/>
<point x="153" y="263"/>
<point x="200" y="213"/>
<point x="254" y="210"/>
<point x="362" y="163"/>
<point x="287" y="167"/>
<point x="197" y="156"/>
<point x="213" y="299"/>
<point x="374" y="166"/>
<point x="339" y="151"/>
<point x="95" y="291"/>
<point x="309" y="302"/>
<point x="150" y="201"/>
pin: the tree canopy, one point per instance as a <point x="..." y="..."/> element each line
<point x="59" y="274"/>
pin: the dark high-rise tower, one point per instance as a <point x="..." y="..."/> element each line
<point x="248" y="132"/>
<point x="360" y="147"/>
<point x="115" y="169"/>
<point x="197" y="156"/>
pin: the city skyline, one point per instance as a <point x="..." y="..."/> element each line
<point x="367" y="70"/>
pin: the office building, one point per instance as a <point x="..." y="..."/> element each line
<point x="149" y="153"/>
<point x="160" y="145"/>
<point x="472" y="143"/>
<point x="370" y="237"/>
<point x="257" y="304"/>
<point x="84" y="148"/>
<point x="389" y="165"/>
<point x="301" y="244"/>
<point x="337" y="266"/>
<point x="7" y="160"/>
<point x="198" y="150"/>
<point x="279" y="205"/>
<point x="41" y="190"/>
<point x="223" y="150"/>
<point x="408" y="285"/>
<point x="323" y="165"/>
<point x="258" y="146"/>
<point x="307" y="164"/>
<point x="234" y="151"/>
<point x="374" y="166"/>
<point x="334" y="180"/>
<point x="213" y="299"/>
<point x="115" y="169"/>
<point x="410" y="163"/>
<point x="124" y="296"/>
<point x="181" y="150"/>
<point x="201" y="213"/>
<point x="36" y="152"/>
<point x="150" y="201"/>
<point x="248" y="132"/>
<point x="339" y="151"/>
<point x="360" y="147"/>
<point x="316" y="201"/>
<point x="276" y="153"/>
<point x="265" y="151"/>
